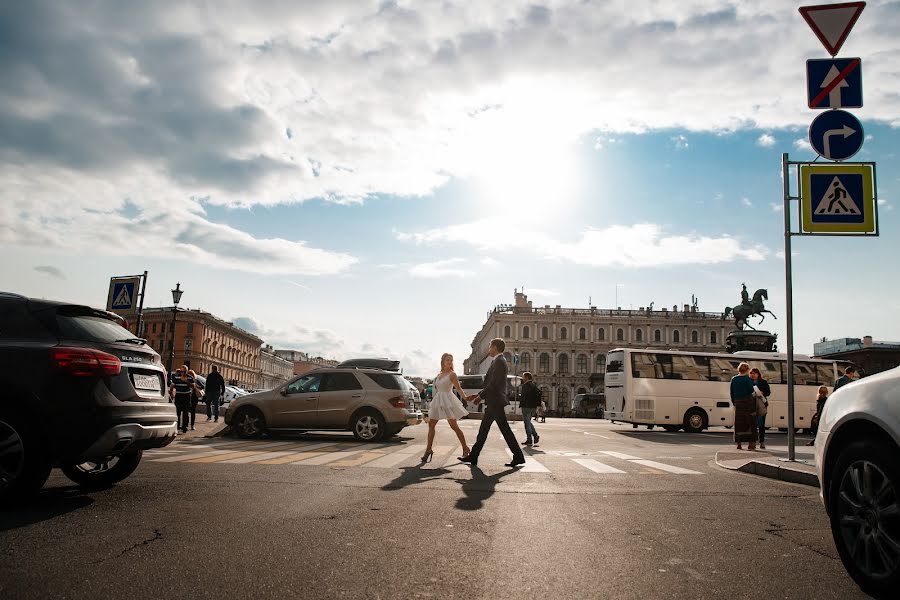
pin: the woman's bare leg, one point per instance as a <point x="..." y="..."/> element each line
<point x="432" y="423"/>
<point x="460" y="435"/>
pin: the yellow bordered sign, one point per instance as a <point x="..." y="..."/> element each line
<point x="838" y="198"/>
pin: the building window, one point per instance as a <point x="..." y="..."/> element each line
<point x="154" y="328"/>
<point x="676" y="337"/>
<point x="190" y="328"/>
<point x="601" y="363"/>
<point x="581" y="364"/>
<point x="712" y="337"/>
<point x="620" y="335"/>
<point x="544" y="363"/>
<point x="563" y="333"/>
<point x="695" y="337"/>
<point x="657" y="335"/>
<point x="601" y="334"/>
<point x="525" y="359"/>
<point x="582" y="334"/>
<point x="526" y="332"/>
<point x="562" y="400"/>
<point x="545" y="333"/>
<point x="639" y="335"/>
<point x="506" y="332"/>
<point x="563" y="364"/>
<point x="188" y="344"/>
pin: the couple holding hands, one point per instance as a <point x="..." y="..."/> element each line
<point x="445" y="405"/>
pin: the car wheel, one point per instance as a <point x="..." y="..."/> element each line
<point x="368" y="426"/>
<point x="864" y="501"/>
<point x="249" y="423"/>
<point x="695" y="420"/>
<point x="98" y="475"/>
<point x="24" y="464"/>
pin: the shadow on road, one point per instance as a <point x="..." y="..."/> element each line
<point x="711" y="438"/>
<point x="479" y="488"/>
<point x="413" y="476"/>
<point x="48" y="504"/>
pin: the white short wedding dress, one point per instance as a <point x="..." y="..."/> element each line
<point x="445" y="405"/>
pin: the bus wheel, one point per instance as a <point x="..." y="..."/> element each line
<point x="695" y="420"/>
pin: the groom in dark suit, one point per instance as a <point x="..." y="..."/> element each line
<point x="494" y="396"/>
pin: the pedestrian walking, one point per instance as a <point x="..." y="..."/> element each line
<point x="180" y="391"/>
<point x="765" y="391"/>
<point x="542" y="409"/>
<point x="529" y="400"/>
<point x="820" y="404"/>
<point x="850" y="375"/>
<point x="446" y="406"/>
<point x="215" y="389"/>
<point x="495" y="401"/>
<point x="742" y="396"/>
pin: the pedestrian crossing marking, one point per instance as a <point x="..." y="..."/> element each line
<point x="185" y="457"/>
<point x="531" y="465"/>
<point x="262" y="455"/>
<point x="619" y="455"/>
<point x="225" y="456"/>
<point x="837" y="200"/>
<point x="395" y="458"/>
<point x="363" y="457"/>
<point x="324" y="458"/>
<point x="289" y="457"/>
<point x="123" y="298"/>
<point x="667" y="468"/>
<point x="597" y="466"/>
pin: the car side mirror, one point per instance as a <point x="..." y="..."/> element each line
<point x="283" y="391"/>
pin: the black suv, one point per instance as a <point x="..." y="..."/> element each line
<point x="79" y="391"/>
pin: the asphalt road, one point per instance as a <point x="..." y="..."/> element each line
<point x="600" y="511"/>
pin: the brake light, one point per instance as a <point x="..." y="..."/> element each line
<point x="398" y="402"/>
<point x="86" y="362"/>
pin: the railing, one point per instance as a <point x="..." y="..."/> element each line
<point x="597" y="312"/>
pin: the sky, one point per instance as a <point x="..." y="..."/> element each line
<point x="372" y="178"/>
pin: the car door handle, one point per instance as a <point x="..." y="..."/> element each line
<point x="312" y="398"/>
<point x="356" y="396"/>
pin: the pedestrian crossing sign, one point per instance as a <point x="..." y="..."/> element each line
<point x="838" y="199"/>
<point x="123" y="294"/>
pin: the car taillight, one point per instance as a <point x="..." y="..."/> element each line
<point x="86" y="362"/>
<point x="398" y="402"/>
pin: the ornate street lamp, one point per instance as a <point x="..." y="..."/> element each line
<point x="176" y="298"/>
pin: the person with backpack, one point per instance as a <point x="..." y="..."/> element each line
<point x="529" y="400"/>
<point x="766" y="391"/>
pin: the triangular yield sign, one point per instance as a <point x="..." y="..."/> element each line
<point x="832" y="22"/>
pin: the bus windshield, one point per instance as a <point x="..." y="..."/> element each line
<point x="615" y="362"/>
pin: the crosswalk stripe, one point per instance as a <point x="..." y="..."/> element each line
<point x="618" y="455"/>
<point x="184" y="457"/>
<point x="368" y="454"/>
<point x="668" y="468"/>
<point x="596" y="466"/>
<point x="277" y="458"/>
<point x="531" y="465"/>
<point x="223" y="457"/>
<point x="395" y="458"/>
<point x="324" y="458"/>
<point x="263" y="455"/>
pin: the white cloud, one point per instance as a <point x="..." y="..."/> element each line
<point x="747" y="202"/>
<point x="451" y="267"/>
<point x="490" y="262"/>
<point x="540" y="292"/>
<point x="803" y="145"/>
<point x="776" y="207"/>
<point x="766" y="140"/>
<point x="641" y="245"/>
<point x="680" y="141"/>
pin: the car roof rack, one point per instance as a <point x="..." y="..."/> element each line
<point x="383" y="364"/>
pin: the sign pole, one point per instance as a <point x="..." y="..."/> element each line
<point x="140" y="311"/>
<point x="789" y="301"/>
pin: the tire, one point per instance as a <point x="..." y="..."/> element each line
<point x="103" y="474"/>
<point x="24" y="462"/>
<point x="671" y="428"/>
<point x="368" y="426"/>
<point x="249" y="423"/>
<point x="695" y="420"/>
<point x="864" y="506"/>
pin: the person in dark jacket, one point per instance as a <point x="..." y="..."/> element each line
<point x="849" y="375"/>
<point x="529" y="400"/>
<point x="181" y="391"/>
<point x="744" y="408"/>
<point x="215" y="387"/>
<point x="766" y="391"/>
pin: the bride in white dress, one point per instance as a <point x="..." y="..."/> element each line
<point x="445" y="405"/>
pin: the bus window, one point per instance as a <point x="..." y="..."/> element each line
<point x="615" y="362"/>
<point x="721" y="369"/>
<point x="693" y="368"/>
<point x="826" y="374"/>
<point x="770" y="370"/>
<point x="805" y="374"/>
<point x="644" y="365"/>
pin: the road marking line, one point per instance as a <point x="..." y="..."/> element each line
<point x="184" y="457"/>
<point x="395" y="458"/>
<point x="618" y="455"/>
<point x="326" y="457"/>
<point x="368" y="454"/>
<point x="263" y="455"/>
<point x="595" y="435"/>
<point x="596" y="466"/>
<point x="224" y="457"/>
<point x="290" y="457"/>
<point x="668" y="468"/>
<point x="531" y="465"/>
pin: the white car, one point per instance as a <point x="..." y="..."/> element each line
<point x="858" y="463"/>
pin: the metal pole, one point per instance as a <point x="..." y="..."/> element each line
<point x="172" y="347"/>
<point x="789" y="301"/>
<point x="140" y="319"/>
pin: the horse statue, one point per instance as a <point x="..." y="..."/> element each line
<point x="747" y="309"/>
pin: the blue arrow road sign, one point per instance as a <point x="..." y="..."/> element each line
<point x="123" y="295"/>
<point x="834" y="83"/>
<point x="836" y="135"/>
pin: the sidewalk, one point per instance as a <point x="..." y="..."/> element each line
<point x="204" y="428"/>
<point x="771" y="465"/>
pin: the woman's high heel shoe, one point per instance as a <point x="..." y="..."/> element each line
<point x="466" y="452"/>
<point x="427" y="456"/>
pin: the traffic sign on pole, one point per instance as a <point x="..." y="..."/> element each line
<point x="836" y="135"/>
<point x="838" y="199"/>
<point x="832" y="22"/>
<point x="834" y="83"/>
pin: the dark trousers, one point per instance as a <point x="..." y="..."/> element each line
<point x="761" y="428"/>
<point x="212" y="407"/>
<point x="193" y="412"/>
<point x="184" y="417"/>
<point x="495" y="413"/>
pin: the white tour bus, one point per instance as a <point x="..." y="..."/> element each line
<point x="691" y="390"/>
<point x="472" y="384"/>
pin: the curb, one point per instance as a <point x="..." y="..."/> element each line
<point x="769" y="470"/>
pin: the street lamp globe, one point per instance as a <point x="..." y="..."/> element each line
<point x="176" y="293"/>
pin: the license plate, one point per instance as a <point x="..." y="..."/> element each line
<point x="146" y="382"/>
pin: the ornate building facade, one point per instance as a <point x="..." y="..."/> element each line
<point x="565" y="348"/>
<point x="202" y="340"/>
<point x="273" y="370"/>
<point x="303" y="362"/>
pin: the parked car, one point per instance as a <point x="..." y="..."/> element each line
<point x="589" y="405"/>
<point x="858" y="463"/>
<point x="370" y="402"/>
<point x="81" y="392"/>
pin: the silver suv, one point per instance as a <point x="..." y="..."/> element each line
<point x="372" y="403"/>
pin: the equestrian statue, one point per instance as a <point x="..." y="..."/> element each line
<point x="749" y="307"/>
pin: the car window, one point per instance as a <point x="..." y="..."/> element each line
<point x="471" y="383"/>
<point x="339" y="382"/>
<point x="17" y="323"/>
<point x="388" y="381"/>
<point x="307" y="383"/>
<point x="75" y="324"/>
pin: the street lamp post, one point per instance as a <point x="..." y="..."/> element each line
<point x="176" y="298"/>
